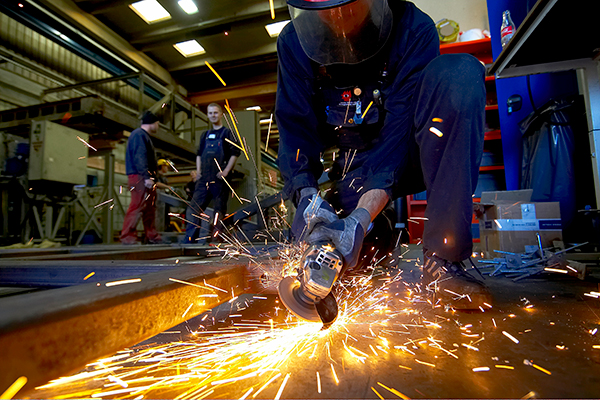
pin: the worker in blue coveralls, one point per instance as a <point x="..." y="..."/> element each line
<point x="367" y="77"/>
<point x="215" y="159"/>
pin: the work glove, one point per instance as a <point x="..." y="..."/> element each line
<point x="346" y="235"/>
<point x="149" y="183"/>
<point x="312" y="210"/>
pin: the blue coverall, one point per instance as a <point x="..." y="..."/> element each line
<point x="208" y="187"/>
<point x="392" y="147"/>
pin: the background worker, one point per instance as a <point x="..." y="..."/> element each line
<point x="368" y="78"/>
<point x="213" y="149"/>
<point x="191" y="185"/>
<point x="141" y="169"/>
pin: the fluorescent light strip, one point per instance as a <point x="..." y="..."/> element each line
<point x="275" y="28"/>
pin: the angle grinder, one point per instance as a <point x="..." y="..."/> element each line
<point x="308" y="295"/>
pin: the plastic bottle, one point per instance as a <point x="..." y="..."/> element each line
<point x="507" y="30"/>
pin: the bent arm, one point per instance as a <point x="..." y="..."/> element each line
<point x="373" y="201"/>
<point x="230" y="165"/>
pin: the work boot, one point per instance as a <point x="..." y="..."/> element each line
<point x="451" y="284"/>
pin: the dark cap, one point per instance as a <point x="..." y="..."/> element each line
<point x="149" y="118"/>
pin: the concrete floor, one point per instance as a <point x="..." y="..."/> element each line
<point x="394" y="347"/>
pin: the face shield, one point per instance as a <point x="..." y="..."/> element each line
<point x="337" y="31"/>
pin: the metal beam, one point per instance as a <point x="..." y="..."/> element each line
<point x="170" y="35"/>
<point x="135" y="252"/>
<point x="103" y="7"/>
<point x="48" y="334"/>
<point x="57" y="274"/>
<point x="108" y="252"/>
<point x="107" y="39"/>
<point x="253" y="208"/>
<point x="233" y="93"/>
<point x="90" y="83"/>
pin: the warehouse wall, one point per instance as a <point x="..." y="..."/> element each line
<point x="469" y="14"/>
<point x="55" y="66"/>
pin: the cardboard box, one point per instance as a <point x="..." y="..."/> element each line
<point x="509" y="221"/>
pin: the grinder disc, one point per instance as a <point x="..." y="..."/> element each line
<point x="289" y="293"/>
<point x="327" y="309"/>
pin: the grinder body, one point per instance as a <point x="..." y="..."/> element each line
<point x="308" y="295"/>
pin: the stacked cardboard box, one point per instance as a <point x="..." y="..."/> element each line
<point x="509" y="221"/>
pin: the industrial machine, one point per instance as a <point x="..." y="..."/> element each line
<point x="57" y="157"/>
<point x="308" y="295"/>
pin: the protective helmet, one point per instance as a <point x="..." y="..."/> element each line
<point x="162" y="162"/>
<point x="341" y="31"/>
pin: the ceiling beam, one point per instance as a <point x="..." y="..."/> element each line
<point x="233" y="93"/>
<point x="103" y="7"/>
<point x="73" y="15"/>
<point x="170" y="35"/>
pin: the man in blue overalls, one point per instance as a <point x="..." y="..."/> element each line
<point x="213" y="150"/>
<point x="367" y="77"/>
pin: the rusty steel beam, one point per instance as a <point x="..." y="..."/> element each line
<point x="236" y="92"/>
<point x="48" y="334"/>
<point x="110" y="252"/>
<point x="57" y="274"/>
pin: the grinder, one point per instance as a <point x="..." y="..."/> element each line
<point x="308" y="295"/>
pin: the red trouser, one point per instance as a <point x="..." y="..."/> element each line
<point x="143" y="204"/>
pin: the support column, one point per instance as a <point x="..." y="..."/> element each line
<point x="109" y="185"/>
<point x="141" y="100"/>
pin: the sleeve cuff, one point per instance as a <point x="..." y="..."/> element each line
<point x="293" y="187"/>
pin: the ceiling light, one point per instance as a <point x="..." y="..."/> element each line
<point x="189" y="48"/>
<point x="276" y="27"/>
<point x="265" y="121"/>
<point x="254" y="108"/>
<point x="188" y="6"/>
<point x="150" y="11"/>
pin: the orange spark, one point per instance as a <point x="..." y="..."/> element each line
<point x="14" y="388"/>
<point x="394" y="391"/>
<point x="511" y="337"/>
<point x="123" y="282"/>
<point x="436" y="131"/>
<point x="337" y="381"/>
<point x="504" y="366"/>
<point x="88" y="276"/>
<point x="215" y="72"/>
<point x="377" y="393"/>
<point x="272" y="8"/>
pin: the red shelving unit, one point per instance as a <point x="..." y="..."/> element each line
<point x="491" y="168"/>
<point x="493" y="135"/>
<point x="482" y="49"/>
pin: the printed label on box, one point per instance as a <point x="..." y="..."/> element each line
<point x="523" y="225"/>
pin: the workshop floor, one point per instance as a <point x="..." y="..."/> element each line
<point x="536" y="342"/>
